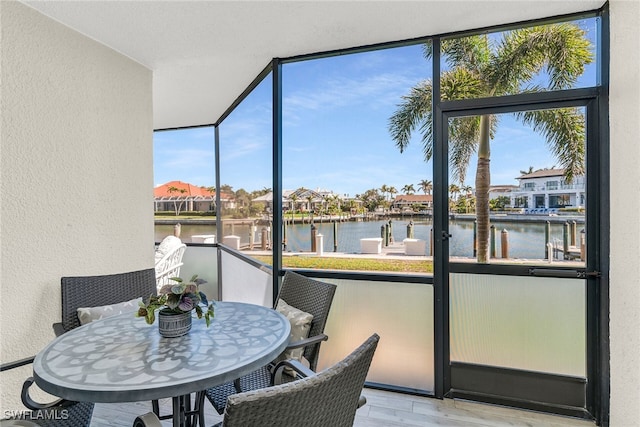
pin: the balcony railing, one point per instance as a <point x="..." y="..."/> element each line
<point x="524" y="189"/>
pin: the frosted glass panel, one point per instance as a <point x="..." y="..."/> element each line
<point x="243" y="282"/>
<point x="528" y="323"/>
<point x="201" y="260"/>
<point x="401" y="313"/>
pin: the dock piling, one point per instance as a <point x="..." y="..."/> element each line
<point x="410" y="230"/>
<point x="504" y="244"/>
<point x="547" y="238"/>
<point x="565" y="240"/>
<point x="493" y="241"/>
<point x="264" y="237"/>
<point x="386" y="234"/>
<point x="475" y="238"/>
<point x="284" y="236"/>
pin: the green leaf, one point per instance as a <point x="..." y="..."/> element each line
<point x="150" y="317"/>
<point x="178" y="289"/>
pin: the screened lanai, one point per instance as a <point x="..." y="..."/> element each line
<point x="525" y="333"/>
<point x="515" y="328"/>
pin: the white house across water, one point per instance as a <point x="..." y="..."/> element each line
<point x="547" y="189"/>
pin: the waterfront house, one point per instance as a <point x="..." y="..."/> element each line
<point x="303" y="199"/>
<point x="496" y="191"/>
<point x="546" y="189"/>
<point x="412" y="202"/>
<point x="182" y="196"/>
<point x="84" y="84"/>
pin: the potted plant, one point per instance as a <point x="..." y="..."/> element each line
<point x="175" y="303"/>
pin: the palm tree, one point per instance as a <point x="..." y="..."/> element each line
<point x="426" y="186"/>
<point x="527" y="172"/>
<point x="478" y="68"/>
<point x="384" y="190"/>
<point x="212" y="193"/>
<point x="177" y="206"/>
<point x="408" y="189"/>
<point x="454" y="190"/>
<point x="392" y="192"/>
<point x="468" y="193"/>
<point x="309" y="200"/>
<point x="294" y="202"/>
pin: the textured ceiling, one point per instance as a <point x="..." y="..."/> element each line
<point x="205" y="53"/>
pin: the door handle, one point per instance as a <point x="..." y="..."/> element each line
<point x="446" y="235"/>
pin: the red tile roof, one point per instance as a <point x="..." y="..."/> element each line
<point x="189" y="190"/>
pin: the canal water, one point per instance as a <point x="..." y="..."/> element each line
<point x="526" y="240"/>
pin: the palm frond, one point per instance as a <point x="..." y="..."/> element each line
<point x="471" y="52"/>
<point x="414" y="111"/>
<point x="426" y="130"/>
<point x="462" y="83"/>
<point x="463" y="143"/>
<point x="427" y="50"/>
<point x="564" y="131"/>
<point x="561" y="50"/>
<point x="464" y="139"/>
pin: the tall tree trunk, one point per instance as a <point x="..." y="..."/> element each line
<point x="483" y="181"/>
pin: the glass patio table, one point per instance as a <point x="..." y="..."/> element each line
<point x="123" y="359"/>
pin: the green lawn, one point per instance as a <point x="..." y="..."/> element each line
<point x="359" y="264"/>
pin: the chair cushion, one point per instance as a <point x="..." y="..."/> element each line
<point x="89" y="314"/>
<point x="300" y="325"/>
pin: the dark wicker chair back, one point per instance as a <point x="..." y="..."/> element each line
<point x="311" y="296"/>
<point x="85" y="291"/>
<point x="94" y="291"/>
<point x="329" y="398"/>
<point x="306" y="294"/>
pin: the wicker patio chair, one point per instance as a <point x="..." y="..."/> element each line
<point x="59" y="413"/>
<point x="329" y="398"/>
<point x="62" y="413"/>
<point x="77" y="292"/>
<point x="306" y="294"/>
<point x="94" y="291"/>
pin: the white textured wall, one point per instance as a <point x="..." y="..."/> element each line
<point x="625" y="211"/>
<point x="76" y="173"/>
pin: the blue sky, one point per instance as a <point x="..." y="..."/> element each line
<point x="335" y="132"/>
